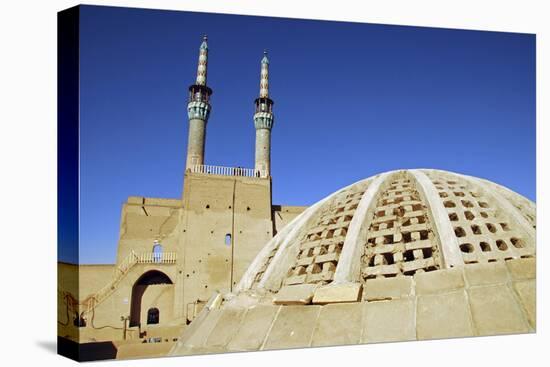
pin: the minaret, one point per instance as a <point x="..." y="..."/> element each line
<point x="198" y="110"/>
<point x="263" y="121"/>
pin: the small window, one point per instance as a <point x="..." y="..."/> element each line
<point x="228" y="239"/>
<point x="153" y="316"/>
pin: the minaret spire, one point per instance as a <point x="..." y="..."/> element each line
<point x="263" y="122"/>
<point x="264" y="77"/>
<point x="198" y="110"/>
<point x="203" y="62"/>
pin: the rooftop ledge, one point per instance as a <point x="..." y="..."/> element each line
<point x="227" y="171"/>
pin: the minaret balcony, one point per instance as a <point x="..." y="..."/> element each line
<point x="198" y="110"/>
<point x="263" y="120"/>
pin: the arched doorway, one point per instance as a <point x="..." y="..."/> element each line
<point x="149" y="278"/>
<point x="157" y="252"/>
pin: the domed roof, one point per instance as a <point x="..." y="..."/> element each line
<point x="404" y="255"/>
<point x="397" y="223"/>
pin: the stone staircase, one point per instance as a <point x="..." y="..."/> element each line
<point x="92" y="301"/>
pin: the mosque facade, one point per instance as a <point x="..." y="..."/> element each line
<point x="173" y="254"/>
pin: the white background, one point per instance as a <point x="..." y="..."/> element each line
<point x="28" y="179"/>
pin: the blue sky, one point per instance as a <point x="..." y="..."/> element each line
<point x="351" y="100"/>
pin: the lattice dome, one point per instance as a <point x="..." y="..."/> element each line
<point x="397" y="223"/>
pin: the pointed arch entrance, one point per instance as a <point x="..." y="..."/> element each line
<point x="147" y="279"/>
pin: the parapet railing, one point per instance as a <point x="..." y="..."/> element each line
<point x="156" y="258"/>
<point x="120" y="272"/>
<point x="227" y="171"/>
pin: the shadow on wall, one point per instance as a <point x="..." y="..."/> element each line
<point x="83" y="352"/>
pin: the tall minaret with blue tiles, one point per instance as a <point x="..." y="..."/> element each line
<point x="198" y="110"/>
<point x="263" y="122"/>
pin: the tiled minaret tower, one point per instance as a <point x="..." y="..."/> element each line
<point x="263" y="121"/>
<point x="198" y="110"/>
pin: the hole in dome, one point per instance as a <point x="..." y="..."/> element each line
<point x="484" y="214"/>
<point x="491" y="227"/>
<point x="453" y="217"/>
<point x="467" y="204"/>
<point x="459" y="232"/>
<point x="475" y="194"/>
<point x="316" y="269"/>
<point x="483" y="204"/>
<point x="504" y="227"/>
<point x="502" y="246"/>
<point x="459" y="193"/>
<point x="452" y="182"/>
<point x="423" y="235"/>
<point x="517" y="242"/>
<point x="388" y="257"/>
<point x="467" y="247"/>
<point x="485" y="247"/>
<point x="469" y="215"/>
<point x="476" y="229"/>
<point x="408" y="255"/>
<point x="443" y="194"/>
<point x="449" y="204"/>
<point x="407" y="237"/>
<point x="427" y="252"/>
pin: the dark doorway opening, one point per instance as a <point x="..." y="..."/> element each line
<point x="153" y="316"/>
